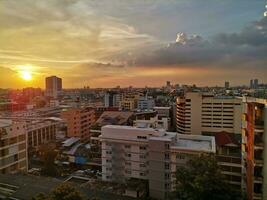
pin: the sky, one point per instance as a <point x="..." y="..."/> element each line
<point x="105" y="43"/>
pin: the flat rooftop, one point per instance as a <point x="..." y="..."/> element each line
<point x="195" y="143"/>
<point x="5" y="123"/>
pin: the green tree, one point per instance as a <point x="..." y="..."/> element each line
<point x="66" y="191"/>
<point x="201" y="179"/>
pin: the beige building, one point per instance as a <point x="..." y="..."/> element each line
<point x="198" y="113"/>
<point x="254" y="148"/>
<point x="41" y="132"/>
<point x="148" y="154"/>
<point x="79" y="121"/>
<point x="220" y="116"/>
<point x="13" y="146"/>
<point x="129" y="101"/>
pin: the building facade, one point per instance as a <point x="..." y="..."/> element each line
<point x="78" y="121"/>
<point x="13" y="147"/>
<point x="197" y="113"/>
<point x="148" y="154"/>
<point x="254" y="148"/>
<point x="53" y="85"/>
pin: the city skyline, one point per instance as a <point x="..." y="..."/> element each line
<point x="110" y="43"/>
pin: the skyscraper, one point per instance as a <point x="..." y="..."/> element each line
<point x="53" y="86"/>
<point x="226" y="84"/>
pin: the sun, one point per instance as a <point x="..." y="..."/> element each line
<point x="26" y="75"/>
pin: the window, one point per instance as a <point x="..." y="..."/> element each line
<point x="142" y="165"/>
<point x="142" y="147"/>
<point x="167" y="166"/>
<point x="128" y="155"/>
<point x="167" y="156"/>
<point x="167" y="145"/>
<point x="127" y="146"/>
<point x="167" y="175"/>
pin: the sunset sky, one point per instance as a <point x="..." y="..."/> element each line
<point x="105" y="43"/>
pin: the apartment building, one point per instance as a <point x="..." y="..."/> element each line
<point x="129" y="101"/>
<point x="153" y="122"/>
<point x="41" y="132"/>
<point x="254" y="148"/>
<point x="198" y="113"/>
<point x="13" y="146"/>
<point x="204" y="114"/>
<point x="148" y="154"/>
<point x="79" y="121"/>
<point x="145" y="103"/>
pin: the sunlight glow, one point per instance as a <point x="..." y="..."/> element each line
<point x="26" y="75"/>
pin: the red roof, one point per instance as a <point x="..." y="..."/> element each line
<point x="224" y="138"/>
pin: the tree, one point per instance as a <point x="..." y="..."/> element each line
<point x="49" y="168"/>
<point x="64" y="191"/>
<point x="201" y="179"/>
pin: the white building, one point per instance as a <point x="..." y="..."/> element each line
<point x="153" y="122"/>
<point x="148" y="154"/>
<point x="145" y="103"/>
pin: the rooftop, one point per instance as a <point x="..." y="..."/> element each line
<point x="5" y="123"/>
<point x="195" y="143"/>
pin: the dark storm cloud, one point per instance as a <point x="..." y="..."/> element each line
<point x="244" y="48"/>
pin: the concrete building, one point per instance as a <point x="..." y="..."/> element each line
<point x="148" y="154"/>
<point x="227" y="85"/>
<point x="41" y="132"/>
<point x="78" y="121"/>
<point x="112" y="99"/>
<point x="53" y="85"/>
<point x="13" y="148"/>
<point x="129" y="101"/>
<point x="145" y="103"/>
<point x="153" y="122"/>
<point x="198" y="113"/>
<point x="254" y="148"/>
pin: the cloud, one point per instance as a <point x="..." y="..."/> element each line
<point x="246" y="48"/>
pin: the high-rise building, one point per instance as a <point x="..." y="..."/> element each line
<point x="227" y="84"/>
<point x="251" y="85"/>
<point x="13" y="147"/>
<point x="198" y="113"/>
<point x="254" y="148"/>
<point x="53" y="86"/>
<point x="112" y="99"/>
<point x="256" y="83"/>
<point x="149" y="154"/>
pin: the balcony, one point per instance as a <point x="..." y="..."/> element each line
<point x="258" y="163"/>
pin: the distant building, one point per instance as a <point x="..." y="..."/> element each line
<point x="254" y="148"/>
<point x="13" y="148"/>
<point x="145" y="103"/>
<point x="112" y="99"/>
<point x="53" y="85"/>
<point x="148" y="154"/>
<point x="254" y="84"/>
<point x="129" y="101"/>
<point x="227" y="85"/>
<point x="79" y="121"/>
